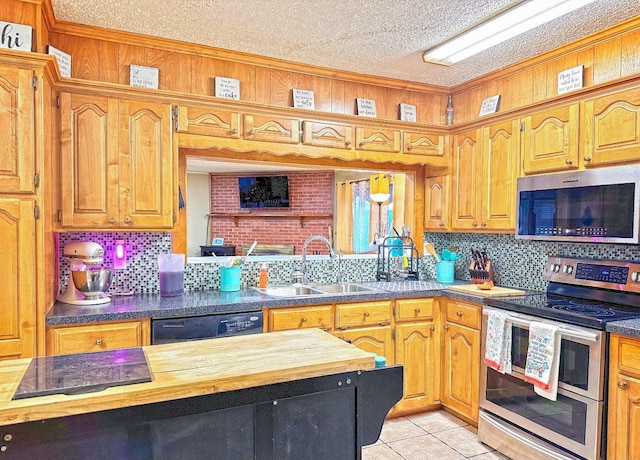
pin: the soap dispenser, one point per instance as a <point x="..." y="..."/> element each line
<point x="264" y="275"/>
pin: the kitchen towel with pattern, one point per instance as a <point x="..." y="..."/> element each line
<point x="497" y="353"/>
<point x="543" y="359"/>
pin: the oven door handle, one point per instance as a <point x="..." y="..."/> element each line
<point x="565" y="331"/>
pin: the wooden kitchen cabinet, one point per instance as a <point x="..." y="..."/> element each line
<point x="266" y="128"/>
<point x="436" y="199"/>
<point x="85" y="338"/>
<point x="363" y="314"/>
<point x="624" y="398"/>
<point x="283" y="319"/>
<point x="461" y="359"/>
<point x="610" y="129"/>
<point x="18" y="278"/>
<point x="205" y="121"/>
<point x="378" y="340"/>
<point x="373" y="139"/>
<point x="550" y="140"/>
<point x="431" y="146"/>
<point x="332" y="135"/>
<point x="116" y="163"/>
<point x="417" y="349"/>
<point x="485" y="165"/>
<point x="17" y="118"/>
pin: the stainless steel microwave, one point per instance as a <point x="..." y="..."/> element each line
<point x="593" y="206"/>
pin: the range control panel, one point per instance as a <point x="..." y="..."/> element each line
<point x="607" y="274"/>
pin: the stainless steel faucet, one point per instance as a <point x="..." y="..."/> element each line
<point x="303" y="266"/>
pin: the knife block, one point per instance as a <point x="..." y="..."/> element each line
<point x="479" y="276"/>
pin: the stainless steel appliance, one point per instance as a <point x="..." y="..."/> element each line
<point x="182" y="329"/>
<point x="582" y="296"/>
<point x="598" y="206"/>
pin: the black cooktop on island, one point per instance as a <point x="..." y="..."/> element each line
<point x="83" y="372"/>
<point x="589" y="313"/>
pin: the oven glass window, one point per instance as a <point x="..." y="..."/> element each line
<point x="565" y="416"/>
<point x="574" y="358"/>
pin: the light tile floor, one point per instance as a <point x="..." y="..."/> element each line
<point x="431" y="435"/>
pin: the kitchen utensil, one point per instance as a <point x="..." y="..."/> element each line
<point x="251" y="248"/>
<point x="446" y="255"/>
<point x="431" y="250"/>
<point x="453" y="257"/>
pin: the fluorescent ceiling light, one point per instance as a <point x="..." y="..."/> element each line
<point x="514" y="21"/>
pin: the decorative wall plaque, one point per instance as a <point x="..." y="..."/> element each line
<point x="366" y="107"/>
<point x="143" y="77"/>
<point x="490" y="105"/>
<point x="63" y="59"/>
<point x="408" y="112"/>
<point x="15" y="36"/>
<point x="570" y="79"/>
<point x="303" y="99"/>
<point x="227" y="88"/>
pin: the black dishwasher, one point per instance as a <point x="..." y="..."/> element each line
<point x="181" y="329"/>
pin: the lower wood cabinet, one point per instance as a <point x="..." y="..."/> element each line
<point x="283" y="319"/>
<point x="86" y="338"/>
<point x="461" y="358"/>
<point x="377" y="340"/>
<point x="623" y="442"/>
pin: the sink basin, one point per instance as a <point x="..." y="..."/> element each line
<point x="293" y="290"/>
<point x="343" y="288"/>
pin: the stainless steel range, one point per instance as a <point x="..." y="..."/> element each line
<point x="582" y="296"/>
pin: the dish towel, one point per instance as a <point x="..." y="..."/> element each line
<point x="497" y="353"/>
<point x="543" y="359"/>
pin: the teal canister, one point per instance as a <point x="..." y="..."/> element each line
<point x="230" y="278"/>
<point x="445" y="271"/>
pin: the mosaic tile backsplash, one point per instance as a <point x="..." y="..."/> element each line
<point x="517" y="263"/>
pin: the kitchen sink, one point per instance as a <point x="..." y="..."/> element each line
<point x="343" y="288"/>
<point x="315" y="289"/>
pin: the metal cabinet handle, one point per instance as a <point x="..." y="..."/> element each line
<point x="112" y="220"/>
<point x="251" y="132"/>
<point x="587" y="158"/>
<point x="569" y="161"/>
<point x="234" y="131"/>
<point x="98" y="341"/>
<point x="623" y="385"/>
<point x="127" y="220"/>
<point x="446" y="327"/>
<point x="475" y="224"/>
<point x="362" y="143"/>
<point x="417" y="310"/>
<point x="347" y="143"/>
<point x="484" y="224"/>
<point x="459" y="313"/>
<point x="441" y="224"/>
<point x="366" y="314"/>
<point x="432" y="328"/>
<point x="303" y="320"/>
<point x="409" y="147"/>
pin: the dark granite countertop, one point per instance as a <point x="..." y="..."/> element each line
<point x="245" y="300"/>
<point x="629" y="327"/>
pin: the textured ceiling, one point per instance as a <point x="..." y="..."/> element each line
<point x="376" y="37"/>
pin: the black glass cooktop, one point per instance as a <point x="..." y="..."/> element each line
<point x="83" y="372"/>
<point x="583" y="312"/>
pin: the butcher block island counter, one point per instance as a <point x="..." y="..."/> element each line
<point x="291" y="394"/>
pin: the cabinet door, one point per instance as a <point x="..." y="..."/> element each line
<point x="428" y="145"/>
<point x="17" y="278"/>
<point x="417" y="350"/>
<point x="208" y="122"/>
<point x="17" y="149"/>
<point x="467" y="180"/>
<point x="436" y="215"/>
<point x="272" y="129"/>
<point x="500" y="157"/>
<point x="283" y="319"/>
<point x="461" y="369"/>
<point x="611" y="129"/>
<point x="146" y="165"/>
<point x="97" y="337"/>
<point x="377" y="140"/>
<point x="624" y="416"/>
<point x="363" y="314"/>
<point x="376" y="340"/>
<point x="551" y="140"/>
<point x="333" y="135"/>
<point x="89" y="161"/>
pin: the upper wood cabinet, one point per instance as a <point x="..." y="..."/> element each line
<point x="610" y="129"/>
<point x="116" y="163"/>
<point x="484" y="180"/>
<point x="378" y="140"/>
<point x="18" y="278"/>
<point x="17" y="149"/>
<point x="266" y="128"/>
<point x="332" y="135"/>
<point x="429" y="145"/>
<point x="208" y="122"/>
<point x="437" y="215"/>
<point x="550" y="140"/>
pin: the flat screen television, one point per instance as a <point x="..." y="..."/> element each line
<point x="264" y="192"/>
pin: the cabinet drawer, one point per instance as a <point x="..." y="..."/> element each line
<point x="414" y="309"/>
<point x="628" y="354"/>
<point x="464" y="314"/>
<point x="97" y="337"/>
<point x="363" y="314"/>
<point x="283" y="319"/>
